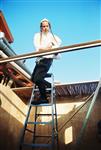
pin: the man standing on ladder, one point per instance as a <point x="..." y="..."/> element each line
<point x="44" y="40"/>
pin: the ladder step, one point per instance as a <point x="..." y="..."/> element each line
<point x="37" y="145"/>
<point x="47" y="89"/>
<point x="45" y="104"/>
<point x="39" y="136"/>
<point x="39" y="122"/>
<point x="45" y="114"/>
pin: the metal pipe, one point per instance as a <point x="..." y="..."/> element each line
<point x="18" y="68"/>
<point x="54" y="51"/>
<point x="88" y="114"/>
<point x="7" y="52"/>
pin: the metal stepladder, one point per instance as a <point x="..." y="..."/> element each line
<point x="32" y="128"/>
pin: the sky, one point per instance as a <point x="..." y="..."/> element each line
<point x="74" y="21"/>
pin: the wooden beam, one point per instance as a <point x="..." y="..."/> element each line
<point x="54" y="51"/>
<point x="4" y="28"/>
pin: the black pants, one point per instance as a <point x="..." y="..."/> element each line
<point x="39" y="73"/>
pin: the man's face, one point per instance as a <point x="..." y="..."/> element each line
<point x="45" y="26"/>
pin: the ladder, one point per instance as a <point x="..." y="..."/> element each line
<point x="47" y="140"/>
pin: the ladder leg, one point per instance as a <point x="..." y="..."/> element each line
<point x="34" y="132"/>
<point x="25" y="124"/>
<point x="54" y="116"/>
<point x="56" y="126"/>
<point x="24" y="128"/>
<point x="53" y="128"/>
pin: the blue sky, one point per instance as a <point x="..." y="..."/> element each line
<point x="74" y="21"/>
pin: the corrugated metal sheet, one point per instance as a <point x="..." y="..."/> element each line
<point x="67" y="90"/>
<point x="85" y="88"/>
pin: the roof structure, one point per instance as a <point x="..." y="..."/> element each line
<point x="67" y="90"/>
<point x="17" y="71"/>
<point x="5" y="29"/>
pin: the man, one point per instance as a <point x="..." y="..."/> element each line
<point x="44" y="40"/>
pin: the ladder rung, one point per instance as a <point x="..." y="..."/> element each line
<point x="39" y="122"/>
<point x="45" y="104"/>
<point x="37" y="145"/>
<point x="45" y="114"/>
<point x="39" y="136"/>
<point x="47" y="89"/>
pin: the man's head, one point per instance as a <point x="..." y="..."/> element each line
<point x="45" y="26"/>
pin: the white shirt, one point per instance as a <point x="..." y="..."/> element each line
<point x="46" y="40"/>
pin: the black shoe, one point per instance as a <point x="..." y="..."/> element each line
<point x="37" y="102"/>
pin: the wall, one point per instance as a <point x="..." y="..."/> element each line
<point x="71" y="115"/>
<point x="12" y="115"/>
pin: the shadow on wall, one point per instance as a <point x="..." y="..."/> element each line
<point x="10" y="129"/>
<point x="0" y="102"/>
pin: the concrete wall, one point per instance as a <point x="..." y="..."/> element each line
<point x="70" y="127"/>
<point x="12" y="115"/>
<point x="71" y="114"/>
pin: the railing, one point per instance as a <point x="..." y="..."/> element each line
<point x="63" y="49"/>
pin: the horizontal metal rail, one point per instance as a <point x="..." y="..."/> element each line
<point x="54" y="51"/>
